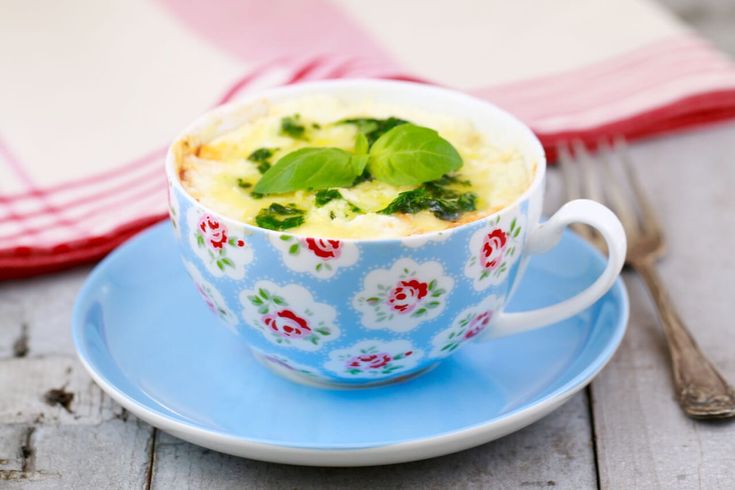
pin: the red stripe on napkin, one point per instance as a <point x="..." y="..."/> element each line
<point x="669" y="85"/>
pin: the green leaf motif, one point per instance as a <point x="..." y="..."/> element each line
<point x="293" y="249"/>
<point x="200" y="240"/>
<point x="308" y="168"/>
<point x="412" y="155"/>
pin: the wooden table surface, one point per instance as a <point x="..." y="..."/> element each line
<point x="59" y="430"/>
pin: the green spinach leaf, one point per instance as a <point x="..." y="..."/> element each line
<point x="372" y="128"/>
<point x="279" y="217"/>
<point x="445" y="203"/>
<point x="262" y="157"/>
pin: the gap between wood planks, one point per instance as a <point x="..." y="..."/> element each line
<point x="593" y="433"/>
<point x="151" y="459"/>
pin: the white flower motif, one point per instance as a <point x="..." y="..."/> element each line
<point x="174" y="211"/>
<point x="420" y="241"/>
<point x="494" y="248"/>
<point x="403" y="296"/>
<point x="373" y="359"/>
<point x="282" y="362"/>
<point x="320" y="257"/>
<point x="289" y="316"/>
<point x="466" y="326"/>
<point x="223" y="250"/>
<point x="214" y="299"/>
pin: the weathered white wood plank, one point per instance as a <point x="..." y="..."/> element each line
<point x="644" y="440"/>
<point x="112" y="455"/>
<point x="45" y="303"/>
<point x="555" y="453"/>
<point x="53" y="389"/>
<point x="57" y="428"/>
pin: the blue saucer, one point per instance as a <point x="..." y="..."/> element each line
<point x="149" y="341"/>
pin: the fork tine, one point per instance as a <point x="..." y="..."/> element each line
<point x="591" y="188"/>
<point x="616" y="191"/>
<point x="650" y="222"/>
<point x="571" y="184"/>
<point x="588" y="169"/>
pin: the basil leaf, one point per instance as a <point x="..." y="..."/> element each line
<point x="361" y="144"/>
<point x="358" y="164"/>
<point x="310" y="168"/>
<point x="411" y="155"/>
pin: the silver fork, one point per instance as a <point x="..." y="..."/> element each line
<point x="702" y="391"/>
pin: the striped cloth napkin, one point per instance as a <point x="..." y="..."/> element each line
<point x="92" y="92"/>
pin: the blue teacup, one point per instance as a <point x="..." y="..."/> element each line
<point x="365" y="312"/>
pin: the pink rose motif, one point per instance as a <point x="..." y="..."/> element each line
<point x="478" y="324"/>
<point x="207" y="298"/>
<point x="325" y="249"/>
<point x="288" y="324"/>
<point x="493" y="248"/>
<point x="406" y="295"/>
<point x="373" y="361"/>
<point x="370" y="361"/>
<point x="214" y="232"/>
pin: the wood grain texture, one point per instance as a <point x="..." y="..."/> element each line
<point x="644" y="440"/>
<point x="553" y="453"/>
<point x="57" y="428"/>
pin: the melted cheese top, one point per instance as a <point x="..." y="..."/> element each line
<point x="211" y="170"/>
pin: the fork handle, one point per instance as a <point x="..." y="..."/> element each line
<point x="702" y="391"/>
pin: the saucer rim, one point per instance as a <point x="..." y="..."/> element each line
<point x="349" y="455"/>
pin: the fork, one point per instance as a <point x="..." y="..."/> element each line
<point x="702" y="391"/>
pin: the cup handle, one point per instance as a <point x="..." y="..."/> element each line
<point x="545" y="237"/>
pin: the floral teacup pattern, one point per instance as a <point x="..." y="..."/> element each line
<point x="403" y="296"/>
<point x="289" y="316"/>
<point x="213" y="298"/>
<point x="494" y="249"/>
<point x="466" y="326"/>
<point x="373" y="359"/>
<point x="174" y="211"/>
<point x="223" y="251"/>
<point x="320" y="257"/>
